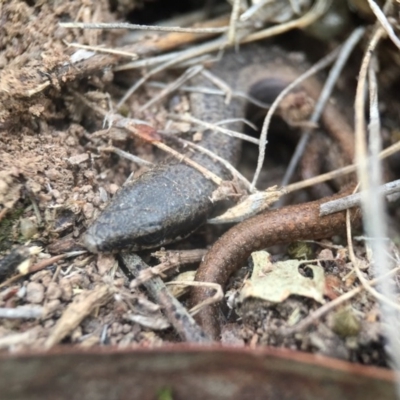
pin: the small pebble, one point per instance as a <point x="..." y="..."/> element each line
<point x="52" y="174"/>
<point x="53" y="291"/>
<point x="105" y="263"/>
<point x="113" y="188"/>
<point x="78" y="158"/>
<point x="34" y="293"/>
<point x="88" y="210"/>
<point x="103" y="194"/>
<point x="51" y="307"/>
<point x="28" y="228"/>
<point x="66" y="289"/>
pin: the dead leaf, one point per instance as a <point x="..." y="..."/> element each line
<point x="276" y="282"/>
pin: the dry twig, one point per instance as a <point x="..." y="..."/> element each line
<point x="171" y="260"/>
<point x="176" y="314"/>
<point x="334" y="73"/>
<point x="353" y="200"/>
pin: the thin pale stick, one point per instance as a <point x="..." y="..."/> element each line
<point x="373" y="211"/>
<point x="381" y="17"/>
<point x="208" y="125"/>
<point x="188" y="74"/>
<point x="136" y="27"/>
<point x="354" y="200"/>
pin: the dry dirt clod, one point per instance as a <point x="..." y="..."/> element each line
<point x="53" y="292"/>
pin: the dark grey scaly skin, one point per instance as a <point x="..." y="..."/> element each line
<point x="170" y="201"/>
